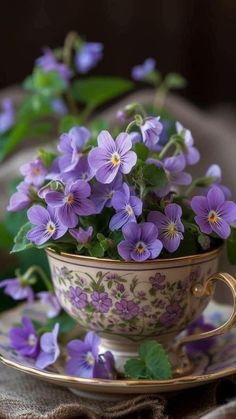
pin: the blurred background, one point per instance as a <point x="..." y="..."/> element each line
<point x="193" y="37"/>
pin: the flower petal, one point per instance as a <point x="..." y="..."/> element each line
<point x="215" y="197"/>
<point x="123" y="143"/>
<point x="221" y="228"/>
<point x="38" y="215"/>
<point x="148" y="232"/>
<point x="106" y="142"/>
<point x="128" y="161"/>
<point x="173" y="211"/>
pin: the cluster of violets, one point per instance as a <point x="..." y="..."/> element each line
<point x="91" y="177"/>
<point x="84" y="359"/>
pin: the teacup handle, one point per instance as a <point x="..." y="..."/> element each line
<point x="201" y="290"/>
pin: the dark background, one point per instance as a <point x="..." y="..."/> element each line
<point x="194" y="37"/>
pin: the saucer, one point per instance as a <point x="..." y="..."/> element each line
<point x="219" y="362"/>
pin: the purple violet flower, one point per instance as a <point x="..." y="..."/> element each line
<point x="101" y="301"/>
<point x="127" y="208"/>
<point x="82" y="236"/>
<point x="151" y="131"/>
<point x="49" y="348"/>
<point x="59" y="107"/>
<point x="7" y="116"/>
<point x="71" y="146"/>
<point x="204" y="345"/>
<point x="140" y="242"/>
<point x="173" y="167"/>
<point x="25" y="339"/>
<point x="50" y="299"/>
<point x="104" y="367"/>
<point x="77" y="297"/>
<point x="215" y="171"/>
<point x="127" y="309"/>
<point x="83" y="355"/>
<point x="48" y="63"/>
<point x="102" y="194"/>
<point x="34" y="172"/>
<point x="47" y="225"/>
<point x="191" y="154"/>
<point x="17" y="289"/>
<point x="112" y="157"/>
<point x="140" y="72"/>
<point x="72" y="203"/>
<point x="214" y="213"/>
<point x="82" y="171"/>
<point x="22" y="198"/>
<point x="173" y="312"/>
<point x="169" y="226"/>
<point x="88" y="56"/>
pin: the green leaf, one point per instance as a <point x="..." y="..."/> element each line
<point x="95" y="91"/>
<point x="35" y="105"/>
<point x="152" y="363"/>
<point x="46" y="156"/>
<point x="21" y="242"/>
<point x="175" y="81"/>
<point x="155" y="176"/>
<point x="141" y="150"/>
<point x="67" y="122"/>
<point x="96" y="250"/>
<point x="231" y="247"/>
<point x="47" y="84"/>
<point x="17" y="134"/>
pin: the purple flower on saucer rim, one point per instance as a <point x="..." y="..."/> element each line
<point x="50" y="299"/>
<point x="49" y="348"/>
<point x="25" y="339"/>
<point x="200" y="326"/>
<point x="17" y="289"/>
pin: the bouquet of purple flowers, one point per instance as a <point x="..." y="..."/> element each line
<point x="130" y="197"/>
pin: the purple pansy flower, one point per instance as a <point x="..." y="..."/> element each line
<point x="169" y="226"/>
<point x="112" y="157"/>
<point x="71" y="146"/>
<point x="34" y="172"/>
<point x="83" y="355"/>
<point x="215" y="171"/>
<point x="151" y="131"/>
<point x="88" y="56"/>
<point x="173" y="167"/>
<point x="127" y="309"/>
<point x="140" y="242"/>
<point x="77" y="297"/>
<point x="81" y="171"/>
<point x="101" y="301"/>
<point x="191" y="154"/>
<point x="173" y="312"/>
<point x="7" y="116"/>
<point x="204" y="345"/>
<point x="48" y="225"/>
<point x="25" y="339"/>
<point x="140" y="72"/>
<point x="105" y="366"/>
<point x="17" y="289"/>
<point x="22" y="198"/>
<point x="102" y="194"/>
<point x="49" y="349"/>
<point x="214" y="213"/>
<point x="158" y="281"/>
<point x="48" y="63"/>
<point x="50" y="299"/>
<point x="81" y="235"/>
<point x="127" y="207"/>
<point x="72" y="202"/>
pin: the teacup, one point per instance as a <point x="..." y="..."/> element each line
<point x="129" y="302"/>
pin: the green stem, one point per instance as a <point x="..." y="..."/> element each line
<point x="42" y="274"/>
<point x="67" y="58"/>
<point x="130" y="125"/>
<point x="190" y="189"/>
<point x="85" y="114"/>
<point x="160" y="96"/>
<point x="166" y="148"/>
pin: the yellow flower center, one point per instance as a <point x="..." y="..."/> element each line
<point x="90" y="358"/>
<point x="172" y="229"/>
<point x="36" y="171"/>
<point x="140" y="248"/>
<point x="115" y="159"/>
<point x="213" y="217"/>
<point x="70" y="199"/>
<point x="51" y="228"/>
<point x="129" y="209"/>
<point x="110" y="194"/>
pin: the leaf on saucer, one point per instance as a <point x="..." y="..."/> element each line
<point x="152" y="363"/>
